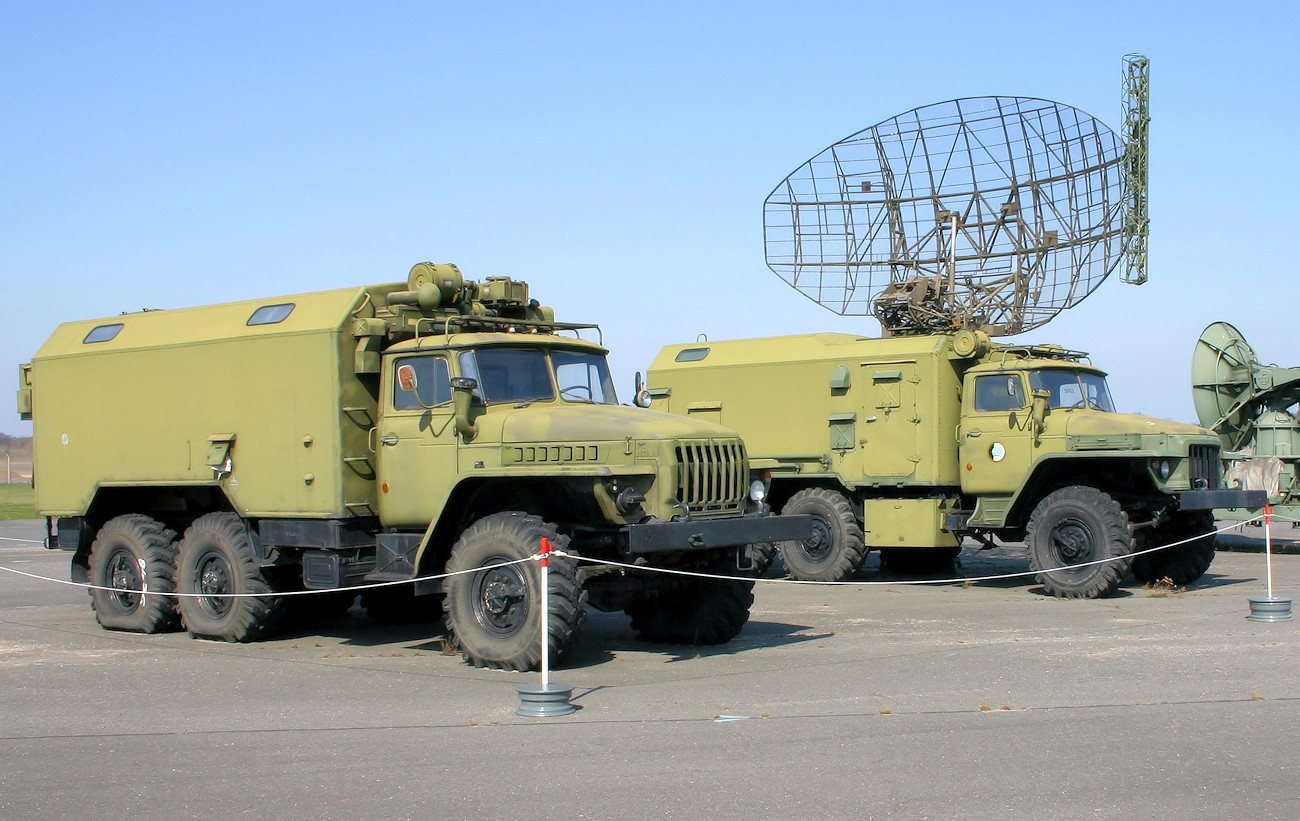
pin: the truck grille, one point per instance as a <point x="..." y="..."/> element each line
<point x="712" y="476"/>
<point x="1204" y="465"/>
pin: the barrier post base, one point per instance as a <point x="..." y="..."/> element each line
<point x="545" y="702"/>
<point x="1270" y="608"/>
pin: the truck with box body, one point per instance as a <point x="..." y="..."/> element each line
<point x="909" y="443"/>
<point x="198" y="463"/>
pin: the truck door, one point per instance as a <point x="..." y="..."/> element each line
<point x="890" y="421"/>
<point x="416" y="440"/>
<point x="995" y="435"/>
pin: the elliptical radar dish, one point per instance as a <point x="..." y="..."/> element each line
<point x="988" y="213"/>
<point x="1232" y="390"/>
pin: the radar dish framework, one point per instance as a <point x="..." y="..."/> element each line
<point x="987" y="213"/>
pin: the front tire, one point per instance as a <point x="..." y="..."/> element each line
<point x="217" y="559"/>
<point x="134" y="553"/>
<point x="836" y="549"/>
<point x="494" y="616"/>
<point x="1073" y="526"/>
<point x="693" y="611"/>
<point x="1181" y="564"/>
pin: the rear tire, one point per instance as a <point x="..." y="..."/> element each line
<point x="217" y="559"/>
<point x="1181" y="564"/>
<point x="695" y="611"/>
<point x="836" y="549"/>
<point x="494" y="616"/>
<point x="1076" y="525"/>
<point x="130" y="553"/>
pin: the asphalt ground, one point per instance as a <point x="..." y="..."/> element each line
<point x="961" y="700"/>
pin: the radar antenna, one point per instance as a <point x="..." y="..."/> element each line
<point x="988" y="213"/>
<point x="1238" y="397"/>
<point x="1137" y="127"/>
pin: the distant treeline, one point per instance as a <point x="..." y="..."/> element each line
<point x="15" y="445"/>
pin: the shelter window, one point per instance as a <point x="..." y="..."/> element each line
<point x="102" y="333"/>
<point x="691" y="355"/>
<point x="271" y="314"/>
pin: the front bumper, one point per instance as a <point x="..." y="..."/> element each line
<point x="706" y="534"/>
<point x="1216" y="499"/>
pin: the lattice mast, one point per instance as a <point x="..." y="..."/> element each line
<point x="1137" y="128"/>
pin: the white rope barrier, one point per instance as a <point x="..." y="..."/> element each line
<point x="272" y="594"/>
<point x="651" y="569"/>
<point x="956" y="580"/>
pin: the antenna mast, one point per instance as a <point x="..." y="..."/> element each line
<point x="1137" y="125"/>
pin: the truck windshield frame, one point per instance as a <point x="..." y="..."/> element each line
<point x="584" y="377"/>
<point x="1070" y="389"/>
<point x="522" y="375"/>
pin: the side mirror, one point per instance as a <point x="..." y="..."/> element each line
<point x="462" y="394"/>
<point x="406" y="379"/>
<point x="1038" y="412"/>
<point x="640" y="396"/>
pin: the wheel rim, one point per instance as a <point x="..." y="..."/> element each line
<point x="213" y="580"/>
<point x="125" y="579"/>
<point x="501" y="598"/>
<point x="817" y="548"/>
<point x="1072" y="543"/>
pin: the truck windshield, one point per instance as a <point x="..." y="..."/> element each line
<point x="507" y="375"/>
<point x="1073" y="389"/>
<point x="583" y="377"/>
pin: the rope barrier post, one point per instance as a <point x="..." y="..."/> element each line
<point x="548" y="701"/>
<point x="1269" y="607"/>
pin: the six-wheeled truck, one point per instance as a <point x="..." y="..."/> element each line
<point x="908" y="444"/>
<point x="198" y="462"/>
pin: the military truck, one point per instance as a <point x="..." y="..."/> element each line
<point x="911" y="443"/>
<point x="200" y="462"/>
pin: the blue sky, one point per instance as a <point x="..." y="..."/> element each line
<point x="616" y="156"/>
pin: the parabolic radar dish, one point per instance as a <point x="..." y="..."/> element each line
<point x="995" y="213"/>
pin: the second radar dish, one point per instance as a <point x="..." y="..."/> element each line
<point x="995" y="213"/>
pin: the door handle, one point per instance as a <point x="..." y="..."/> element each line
<point x="974" y="434"/>
<point x="390" y="439"/>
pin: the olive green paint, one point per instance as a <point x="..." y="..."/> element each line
<point x="893" y="424"/>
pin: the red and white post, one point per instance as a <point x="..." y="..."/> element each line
<point x="1268" y="551"/>
<point x="546" y="610"/>
<point x="1269" y="607"/>
<point x="546" y="701"/>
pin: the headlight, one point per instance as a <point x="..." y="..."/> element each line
<point x="757" y="490"/>
<point x="1163" y="468"/>
<point x="628" y="500"/>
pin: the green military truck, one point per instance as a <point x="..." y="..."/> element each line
<point x="908" y="444"/>
<point x="198" y="462"/>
